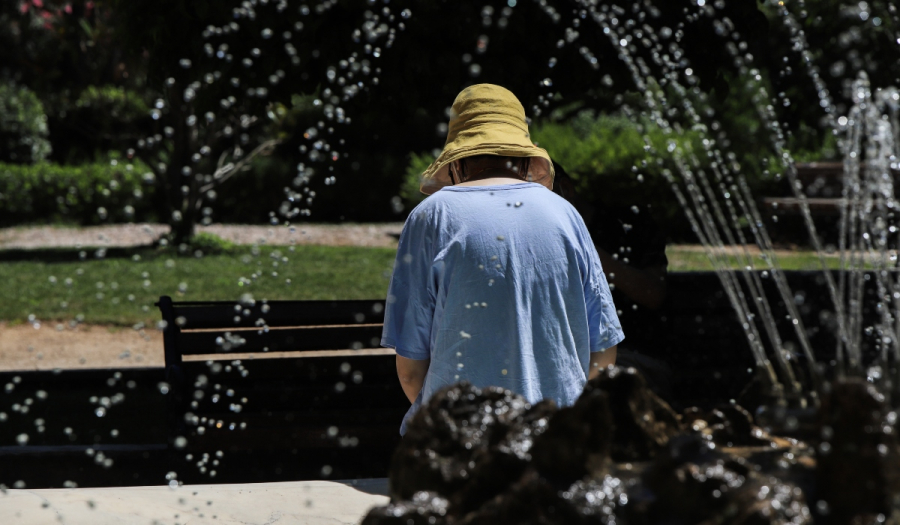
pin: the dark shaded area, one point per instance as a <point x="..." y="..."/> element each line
<point x="297" y="422"/>
<point x="858" y="465"/>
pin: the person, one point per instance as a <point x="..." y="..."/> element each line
<point x="496" y="280"/>
<point x="632" y="250"/>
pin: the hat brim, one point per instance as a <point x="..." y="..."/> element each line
<point x="540" y="169"/>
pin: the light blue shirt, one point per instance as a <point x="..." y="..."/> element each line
<point x="499" y="286"/>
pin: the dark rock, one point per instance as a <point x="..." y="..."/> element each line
<point x="578" y="440"/>
<point x="726" y="425"/>
<point x="467" y="445"/>
<point x="642" y="422"/>
<point x="692" y="482"/>
<point x="858" y="461"/>
<point x="425" y="508"/>
<point x="596" y="500"/>
<point x="531" y="500"/>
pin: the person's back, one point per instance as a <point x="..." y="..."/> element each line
<point x="496" y="280"/>
<point x="512" y="292"/>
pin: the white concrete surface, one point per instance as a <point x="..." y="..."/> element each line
<point x="299" y="502"/>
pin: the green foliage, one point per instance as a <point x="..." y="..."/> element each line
<point x="112" y="191"/>
<point x="115" y="102"/>
<point x="409" y="190"/>
<point x="615" y="161"/>
<point x="211" y="244"/>
<point x="23" y="125"/>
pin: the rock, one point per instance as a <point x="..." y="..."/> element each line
<point x="726" y="425"/>
<point x="531" y="500"/>
<point x="578" y="440"/>
<point x="642" y="422"/>
<point x="692" y="482"/>
<point x="597" y="500"/>
<point x="857" y="459"/>
<point x="425" y="508"/>
<point x="467" y="445"/>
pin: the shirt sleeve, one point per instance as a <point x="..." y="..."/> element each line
<point x="603" y="324"/>
<point x="409" y="308"/>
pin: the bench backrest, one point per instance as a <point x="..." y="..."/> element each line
<point x="216" y="327"/>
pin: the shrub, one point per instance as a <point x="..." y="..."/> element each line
<point x="409" y="189"/>
<point x="211" y="244"/>
<point x="23" y="126"/>
<point x="112" y="191"/>
<point x="617" y="161"/>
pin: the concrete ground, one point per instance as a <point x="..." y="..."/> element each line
<point x="299" y="502"/>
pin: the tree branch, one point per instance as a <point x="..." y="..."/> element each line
<point x="225" y="172"/>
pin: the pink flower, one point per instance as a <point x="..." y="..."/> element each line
<point x="37" y="3"/>
<point x="68" y="8"/>
<point x="23" y="7"/>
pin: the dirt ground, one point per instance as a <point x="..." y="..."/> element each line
<point x="45" y="347"/>
<point x="51" y="346"/>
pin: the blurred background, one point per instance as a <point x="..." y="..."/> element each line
<point x="96" y="99"/>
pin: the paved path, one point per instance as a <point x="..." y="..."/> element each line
<point x="127" y="235"/>
<point x="306" y="502"/>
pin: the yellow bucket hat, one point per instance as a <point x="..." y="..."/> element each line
<point x="487" y="120"/>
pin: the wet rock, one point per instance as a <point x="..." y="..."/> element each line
<point x="857" y="459"/>
<point x="726" y="425"/>
<point x="531" y="500"/>
<point x="693" y="482"/>
<point x="642" y="422"/>
<point x="597" y="500"/>
<point x="425" y="508"/>
<point x="578" y="440"/>
<point x="467" y="445"/>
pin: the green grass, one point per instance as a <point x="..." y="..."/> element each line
<point x="690" y="260"/>
<point x="121" y="291"/>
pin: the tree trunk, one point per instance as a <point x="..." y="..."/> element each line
<point x="182" y="215"/>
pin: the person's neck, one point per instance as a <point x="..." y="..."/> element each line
<point x="491" y="181"/>
<point x="491" y="177"/>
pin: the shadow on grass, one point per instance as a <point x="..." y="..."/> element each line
<point x="63" y="255"/>
<point x="204" y="243"/>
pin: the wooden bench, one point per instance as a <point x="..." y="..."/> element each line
<point x="823" y="187"/>
<point x="297" y="388"/>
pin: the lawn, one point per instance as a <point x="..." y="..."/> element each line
<point x="690" y="259"/>
<point x="122" y="290"/>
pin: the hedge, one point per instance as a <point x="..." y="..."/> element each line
<point x="23" y="125"/>
<point x="113" y="191"/>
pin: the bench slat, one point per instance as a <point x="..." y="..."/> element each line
<point x="282" y="340"/>
<point x="205" y="314"/>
